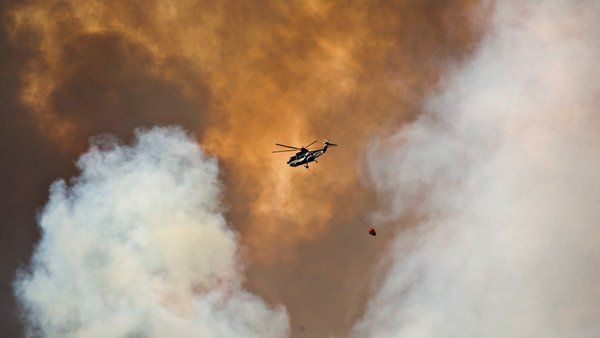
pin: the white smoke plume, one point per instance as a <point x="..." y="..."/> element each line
<point x="136" y="246"/>
<point x="502" y="173"/>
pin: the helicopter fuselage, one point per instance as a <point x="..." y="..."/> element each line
<point x="305" y="157"/>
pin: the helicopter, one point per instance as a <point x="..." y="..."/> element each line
<point x="304" y="156"/>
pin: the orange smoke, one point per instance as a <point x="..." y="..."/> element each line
<point x="258" y="73"/>
<point x="242" y="76"/>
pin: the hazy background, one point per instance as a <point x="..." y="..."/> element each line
<point x="422" y="84"/>
<point x="502" y="170"/>
<point x="241" y="77"/>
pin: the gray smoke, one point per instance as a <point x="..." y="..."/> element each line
<point x="502" y="173"/>
<point x="137" y="246"/>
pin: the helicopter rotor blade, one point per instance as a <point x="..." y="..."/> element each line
<point x="310" y="144"/>
<point x="283" y="145"/>
<point x="283" y="151"/>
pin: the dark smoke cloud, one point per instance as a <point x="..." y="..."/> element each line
<point x="107" y="87"/>
<point x="241" y="76"/>
<point x="29" y="162"/>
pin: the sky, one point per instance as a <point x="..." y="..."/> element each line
<point x="140" y="193"/>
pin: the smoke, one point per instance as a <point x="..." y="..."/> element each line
<point x="137" y="245"/>
<point x="242" y="77"/>
<point x="502" y="173"/>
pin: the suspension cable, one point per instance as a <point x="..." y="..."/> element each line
<point x="343" y="198"/>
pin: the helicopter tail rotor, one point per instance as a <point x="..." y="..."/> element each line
<point x="327" y="143"/>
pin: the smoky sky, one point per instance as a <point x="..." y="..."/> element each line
<point x="136" y="245"/>
<point x="503" y="168"/>
<point x="240" y="77"/>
